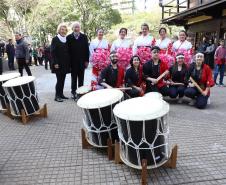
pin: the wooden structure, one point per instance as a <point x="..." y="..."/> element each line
<point x="25" y="118"/>
<point x="87" y="145"/>
<point x="199" y="17"/>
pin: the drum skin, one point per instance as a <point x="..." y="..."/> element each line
<point x="100" y="138"/>
<point x="23" y="97"/>
<point x="136" y="131"/>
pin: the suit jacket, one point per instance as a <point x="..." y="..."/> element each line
<point x="78" y="51"/>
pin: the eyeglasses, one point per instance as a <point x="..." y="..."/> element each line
<point x="155" y="51"/>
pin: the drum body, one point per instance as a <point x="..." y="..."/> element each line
<point x="144" y="136"/>
<point x="22" y="95"/>
<point x="82" y="91"/>
<point x="99" y="121"/>
<point x="3" y="97"/>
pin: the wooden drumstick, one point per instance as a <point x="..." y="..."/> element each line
<point x="174" y="83"/>
<point x="124" y="88"/>
<point x="196" y="85"/>
<point x="162" y="75"/>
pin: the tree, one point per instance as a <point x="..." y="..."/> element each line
<point x="96" y="14"/>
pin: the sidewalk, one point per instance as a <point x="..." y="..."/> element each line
<point x="48" y="151"/>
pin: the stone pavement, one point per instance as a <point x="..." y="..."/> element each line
<point x="48" y="151"/>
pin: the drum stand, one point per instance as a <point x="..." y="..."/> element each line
<point x="87" y="145"/>
<point x="25" y="118"/>
<point x="171" y="163"/>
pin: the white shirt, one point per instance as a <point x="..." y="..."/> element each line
<point x="182" y="45"/>
<point x="120" y="43"/>
<point x="142" y="41"/>
<point x="94" y="44"/>
<point x="163" y="44"/>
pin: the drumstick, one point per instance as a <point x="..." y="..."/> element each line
<point x="124" y="88"/>
<point x="196" y="85"/>
<point x="174" y="83"/>
<point x="162" y="75"/>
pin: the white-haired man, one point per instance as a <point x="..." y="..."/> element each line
<point x="79" y="55"/>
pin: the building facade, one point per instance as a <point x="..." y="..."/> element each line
<point x="199" y="17"/>
<point x="124" y="6"/>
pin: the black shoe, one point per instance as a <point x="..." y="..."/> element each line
<point x="58" y="99"/>
<point x="74" y="96"/>
<point x="64" y="97"/>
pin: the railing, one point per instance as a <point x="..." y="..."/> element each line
<point x="176" y="6"/>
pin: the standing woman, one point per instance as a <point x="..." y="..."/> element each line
<point x="99" y="55"/>
<point x="133" y="77"/>
<point x="143" y="44"/>
<point x="183" y="46"/>
<point x="177" y="80"/>
<point x="123" y="48"/>
<point x="61" y="60"/>
<point x="202" y="76"/>
<point x="165" y="45"/>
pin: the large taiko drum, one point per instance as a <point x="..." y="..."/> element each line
<point x="153" y="95"/>
<point x="22" y="95"/>
<point x="3" y="97"/>
<point x="143" y="131"/>
<point x="99" y="121"/>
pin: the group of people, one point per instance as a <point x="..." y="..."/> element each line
<point x="155" y="65"/>
<point x="39" y="55"/>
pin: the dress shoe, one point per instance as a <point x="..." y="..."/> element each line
<point x="64" y="97"/>
<point x="58" y="99"/>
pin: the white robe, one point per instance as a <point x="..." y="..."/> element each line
<point x="120" y="43"/>
<point x="94" y="44"/>
<point x="163" y="44"/>
<point x="186" y="45"/>
<point x="142" y="41"/>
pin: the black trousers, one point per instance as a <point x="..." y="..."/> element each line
<point x="40" y="60"/>
<point x="36" y="60"/>
<point x="164" y="90"/>
<point x="60" y="83"/>
<point x="11" y="62"/>
<point x="133" y="92"/>
<point x="21" y="65"/>
<point x="1" y="66"/>
<point x="47" y="60"/>
<point x="77" y="75"/>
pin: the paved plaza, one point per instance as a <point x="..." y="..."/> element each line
<point x="48" y="151"/>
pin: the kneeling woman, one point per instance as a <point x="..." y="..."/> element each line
<point x="177" y="82"/>
<point x="133" y="77"/>
<point x="200" y="80"/>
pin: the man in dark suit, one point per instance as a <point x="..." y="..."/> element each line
<point x="10" y="50"/>
<point x="79" y="54"/>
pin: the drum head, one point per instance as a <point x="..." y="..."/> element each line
<point x="153" y="95"/>
<point x="138" y="109"/>
<point x="19" y="81"/>
<point x="8" y="76"/>
<point x="100" y="98"/>
<point x="83" y="90"/>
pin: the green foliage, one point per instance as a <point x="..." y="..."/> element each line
<point x="96" y="14"/>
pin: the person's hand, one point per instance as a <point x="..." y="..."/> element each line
<point x="56" y="66"/>
<point x="27" y="61"/>
<point x="190" y="85"/>
<point x="86" y="64"/>
<point x="154" y="81"/>
<point x="205" y="93"/>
